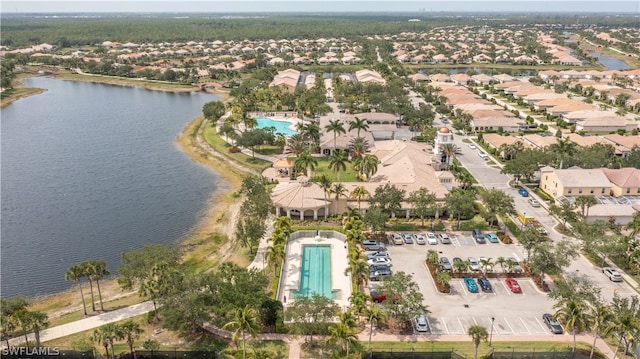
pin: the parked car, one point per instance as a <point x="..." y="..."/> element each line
<point x="492" y="237"/>
<point x="372" y="245"/>
<point x="515" y="265"/>
<point x="456" y="260"/>
<point x="380" y="274"/>
<point x="612" y="274"/>
<point x="445" y="264"/>
<point x="431" y="238"/>
<point x="472" y="146"/>
<point x="419" y="238"/>
<point x="397" y="239"/>
<point x="554" y="326"/>
<point x="483" y="155"/>
<point x="380" y="296"/>
<point x="523" y="192"/>
<point x="471" y="284"/>
<point x="534" y="202"/>
<point x="478" y="236"/>
<point x="379" y="261"/>
<point x="473" y="264"/>
<point x="513" y="285"/>
<point x="378" y="267"/>
<point x="379" y="254"/>
<point x="485" y="285"/>
<point x="407" y="238"/>
<point x="444" y="238"/>
<point x="422" y="326"/>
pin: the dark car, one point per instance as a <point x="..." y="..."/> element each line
<point x="478" y="236"/>
<point x="553" y="325"/>
<point x="485" y="285"/>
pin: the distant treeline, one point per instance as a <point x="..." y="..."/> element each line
<point x="65" y="31"/>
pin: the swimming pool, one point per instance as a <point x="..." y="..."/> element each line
<point x="281" y="126"/>
<point x="315" y="274"/>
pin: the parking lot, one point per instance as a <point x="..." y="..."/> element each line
<point x="454" y="313"/>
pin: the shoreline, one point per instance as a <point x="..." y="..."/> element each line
<point x="215" y="220"/>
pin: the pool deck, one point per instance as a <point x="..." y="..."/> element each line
<point x="341" y="283"/>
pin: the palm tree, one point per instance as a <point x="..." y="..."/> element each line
<point x="339" y="190"/>
<point x="37" y="322"/>
<point x="74" y="273"/>
<point x="502" y="262"/>
<point x="461" y="266"/>
<point x="443" y="278"/>
<point x="283" y="223"/>
<point x="450" y="150"/>
<point x="343" y="335"/>
<point x="486" y="264"/>
<point x="87" y="271"/>
<point x="562" y="149"/>
<point x="432" y="257"/>
<point x="245" y="320"/>
<point x="573" y="313"/>
<point x="338" y="162"/>
<point x="602" y="319"/>
<point x="375" y="314"/>
<point x="585" y="202"/>
<point x="306" y="161"/>
<point x="366" y="165"/>
<point x="358" y="124"/>
<point x="112" y="332"/>
<point x="325" y="183"/>
<point x="358" y="300"/>
<point x="359" y="270"/>
<point x="101" y="336"/>
<point x="275" y="254"/>
<point x="358" y="146"/>
<point x="477" y="333"/>
<point x="296" y="144"/>
<point x="99" y="272"/>
<point x="336" y="127"/>
<point x="359" y="193"/>
<point x="130" y="331"/>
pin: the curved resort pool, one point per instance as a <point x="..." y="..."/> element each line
<point x="281" y="126"/>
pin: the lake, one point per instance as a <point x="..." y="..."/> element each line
<point x="610" y="63"/>
<point x="90" y="171"/>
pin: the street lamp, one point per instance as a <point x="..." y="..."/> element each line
<point x="491" y="335"/>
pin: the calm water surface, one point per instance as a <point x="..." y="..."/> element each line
<point x="610" y="63"/>
<point x="89" y="171"/>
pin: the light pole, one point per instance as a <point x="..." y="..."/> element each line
<point x="491" y="335"/>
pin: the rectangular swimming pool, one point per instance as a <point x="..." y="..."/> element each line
<point x="315" y="274"/>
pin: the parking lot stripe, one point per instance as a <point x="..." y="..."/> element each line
<point x="463" y="291"/>
<point x="544" y="328"/>
<point x="506" y="288"/>
<point x="516" y="257"/>
<point x="461" y="326"/>
<point x="525" y="325"/>
<point x="495" y="327"/>
<point x="429" y="324"/>
<point x="444" y="323"/>
<point x="509" y="325"/>
<point x="474" y="320"/>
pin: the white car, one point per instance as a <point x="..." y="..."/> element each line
<point x="473" y="264"/>
<point x="419" y="238"/>
<point x="379" y="261"/>
<point x="431" y="238"/>
<point x="380" y="254"/>
<point x="613" y="274"/>
<point x="422" y="326"/>
<point x="472" y="146"/>
<point x="483" y="155"/>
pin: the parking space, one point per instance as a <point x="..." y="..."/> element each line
<point x="453" y="313"/>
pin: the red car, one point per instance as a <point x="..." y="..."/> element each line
<point x="379" y="297"/>
<point x="513" y="285"/>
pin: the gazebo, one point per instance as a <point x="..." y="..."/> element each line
<point x="283" y="167"/>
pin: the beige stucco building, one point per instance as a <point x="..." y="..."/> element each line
<point x="574" y="182"/>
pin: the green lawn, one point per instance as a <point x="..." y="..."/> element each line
<point x="323" y="169"/>
<point x="218" y="143"/>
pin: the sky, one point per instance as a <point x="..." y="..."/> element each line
<point x="255" y="6"/>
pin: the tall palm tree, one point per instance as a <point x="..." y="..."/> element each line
<point x="325" y="183"/>
<point x="502" y="262"/>
<point x="375" y="314"/>
<point x="337" y="128"/>
<point x="99" y="272"/>
<point x="358" y="300"/>
<point x="432" y="257"/>
<point x="366" y="165"/>
<point x="305" y="161"/>
<point x="245" y="320"/>
<point x="359" y="270"/>
<point x="477" y="334"/>
<point x="562" y="149"/>
<point x="339" y="190"/>
<point x="87" y="271"/>
<point x="283" y="223"/>
<point x="601" y="322"/>
<point x="450" y="150"/>
<point x="275" y="255"/>
<point x="486" y="264"/>
<point x="573" y="313"/>
<point x="130" y="331"/>
<point x="74" y="273"/>
<point x="37" y="322"/>
<point x="296" y="144"/>
<point x="585" y="202"/>
<point x="359" y="193"/>
<point x="358" y="124"/>
<point x="112" y="332"/>
<point x="338" y="161"/>
<point x="101" y="336"/>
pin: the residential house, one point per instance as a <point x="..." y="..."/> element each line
<point x="574" y="182"/>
